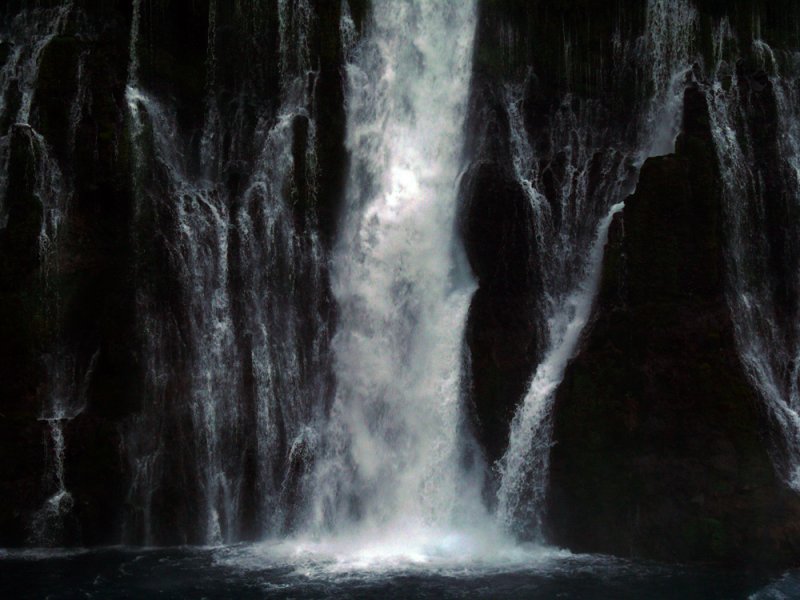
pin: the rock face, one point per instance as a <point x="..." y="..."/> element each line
<point x="81" y="300"/>
<point x="78" y="298"/>
<point x="572" y="102"/>
<point x="497" y="228"/>
<point x="660" y="447"/>
<point x="661" y="450"/>
<point x="20" y="432"/>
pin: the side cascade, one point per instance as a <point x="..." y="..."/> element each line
<point x="63" y="397"/>
<point x="230" y="382"/>
<point x="572" y="232"/>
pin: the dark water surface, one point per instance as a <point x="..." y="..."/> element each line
<point x="269" y="571"/>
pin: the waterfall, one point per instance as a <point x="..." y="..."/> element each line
<point x="63" y="397"/>
<point x="195" y="224"/>
<point x="285" y="286"/>
<point x="232" y="381"/>
<point x="572" y="232"/>
<point x="29" y="33"/>
<point x="294" y="385"/>
<point x="768" y="341"/>
<point x="197" y="251"/>
<point x="391" y="466"/>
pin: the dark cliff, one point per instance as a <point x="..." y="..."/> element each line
<point x="662" y="446"/>
<point x="78" y="297"/>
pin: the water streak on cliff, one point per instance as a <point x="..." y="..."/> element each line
<point x="228" y="376"/>
<point x="62" y="397"/>
<point x="765" y="316"/>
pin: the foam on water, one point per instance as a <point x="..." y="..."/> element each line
<point x="380" y="553"/>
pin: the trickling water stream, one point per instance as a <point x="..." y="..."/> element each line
<point x="765" y="321"/>
<point x="29" y="34"/>
<point x="64" y="395"/>
<point x="231" y="373"/>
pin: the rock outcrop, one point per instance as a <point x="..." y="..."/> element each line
<point x="661" y="446"/>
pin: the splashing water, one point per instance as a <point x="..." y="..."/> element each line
<point x="390" y="482"/>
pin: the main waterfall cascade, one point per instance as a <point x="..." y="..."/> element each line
<point x="392" y="451"/>
<point x="305" y="377"/>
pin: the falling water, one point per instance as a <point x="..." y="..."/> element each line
<point x="284" y="290"/>
<point x="64" y="395"/>
<point x="769" y="351"/>
<point x="29" y="34"/>
<point x="527" y="457"/>
<point x="391" y="468"/>
<point x="238" y="364"/>
<point x="571" y="246"/>
<point x="347" y="31"/>
<point x="667" y="45"/>
<point x="198" y="246"/>
<point x="198" y="250"/>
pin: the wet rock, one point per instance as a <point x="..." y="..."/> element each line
<point x="173" y="55"/>
<point x="19" y="248"/>
<point x="56" y="87"/>
<point x="78" y="299"/>
<point x="21" y="434"/>
<point x="13" y="102"/>
<point x="5" y="50"/>
<point x="330" y="117"/>
<point x="498" y="229"/>
<point x="656" y="412"/>
<point x="777" y="186"/>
